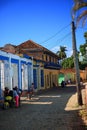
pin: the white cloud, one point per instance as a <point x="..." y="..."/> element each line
<point x="69" y="53"/>
<point x="55" y="49"/>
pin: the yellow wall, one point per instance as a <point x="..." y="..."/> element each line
<point x="50" y="77"/>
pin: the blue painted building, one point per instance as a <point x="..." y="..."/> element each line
<point x="15" y="71"/>
<point x="38" y="76"/>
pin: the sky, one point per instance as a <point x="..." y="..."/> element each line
<point x="46" y="22"/>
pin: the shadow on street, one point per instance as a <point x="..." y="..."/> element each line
<point x="45" y="111"/>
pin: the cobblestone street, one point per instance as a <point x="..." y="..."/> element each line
<point x="49" y="110"/>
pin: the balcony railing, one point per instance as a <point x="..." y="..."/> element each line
<point x="52" y="65"/>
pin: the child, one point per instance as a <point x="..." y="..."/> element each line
<point x="31" y="91"/>
<point x="19" y="92"/>
<point x="16" y="97"/>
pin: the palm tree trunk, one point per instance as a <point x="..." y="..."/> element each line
<point x="75" y="54"/>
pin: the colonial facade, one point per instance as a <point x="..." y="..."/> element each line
<point x="45" y="63"/>
<point x="15" y="71"/>
<point x="30" y="62"/>
<point x="45" y="66"/>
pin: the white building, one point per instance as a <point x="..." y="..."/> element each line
<point x="15" y="71"/>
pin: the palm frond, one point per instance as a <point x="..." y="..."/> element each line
<point x="79" y="5"/>
<point x="83" y="16"/>
<point x="84" y="20"/>
<point x="76" y="1"/>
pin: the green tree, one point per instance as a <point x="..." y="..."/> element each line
<point x="81" y="7"/>
<point x="83" y="49"/>
<point x="61" y="53"/>
<point x="83" y="46"/>
<point x="85" y="36"/>
<point x="83" y="63"/>
<point x="68" y="63"/>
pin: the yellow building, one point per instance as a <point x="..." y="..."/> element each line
<point x="45" y="64"/>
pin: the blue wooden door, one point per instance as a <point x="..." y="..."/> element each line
<point x="35" y="78"/>
<point x="42" y="78"/>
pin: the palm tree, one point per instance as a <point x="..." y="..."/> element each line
<point x="81" y="7"/>
<point x="79" y="12"/>
<point x="61" y="53"/>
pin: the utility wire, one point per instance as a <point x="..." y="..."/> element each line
<point x="55" y="34"/>
<point x="68" y="34"/>
<point x="63" y="38"/>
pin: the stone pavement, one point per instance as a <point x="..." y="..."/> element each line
<point x="54" y="109"/>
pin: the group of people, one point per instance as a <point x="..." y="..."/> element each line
<point x="64" y="83"/>
<point x="15" y="94"/>
<point x="11" y="95"/>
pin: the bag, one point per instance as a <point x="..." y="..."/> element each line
<point x="9" y="98"/>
